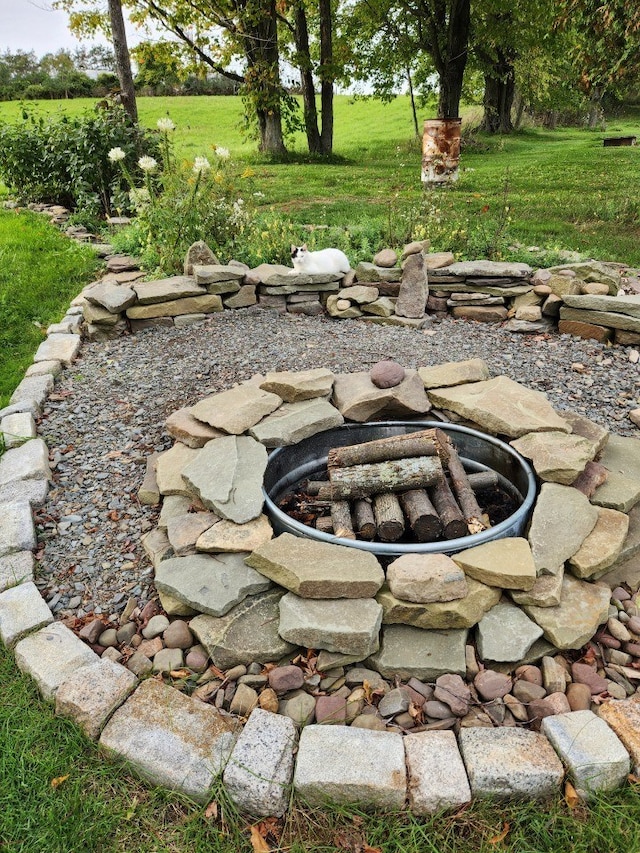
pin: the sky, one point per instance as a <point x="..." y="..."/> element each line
<point x="34" y="25"/>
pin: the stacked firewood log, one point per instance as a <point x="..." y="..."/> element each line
<point x="414" y="484"/>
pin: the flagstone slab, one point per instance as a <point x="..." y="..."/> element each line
<point x="313" y="569"/>
<point x="628" y="304"/>
<point x="459" y="613"/>
<point x="603" y="545"/>
<point x="209" y="584"/>
<point x="413" y="653"/>
<point x="546" y="591"/>
<point x="583" y="607"/>
<point x="602" y="318"/>
<point x="294" y="386"/>
<point x="454" y="373"/>
<point x="259" y="772"/>
<point x="556" y="456"/>
<point x="500" y="406"/>
<point x="293" y="422"/>
<point x="169" y="467"/>
<point x="561" y="521"/>
<point x="594" y="755"/>
<point x="50" y="656"/>
<point x="236" y="410"/>
<point x="489" y="269"/>
<point x="167" y="289"/>
<point x="226" y="535"/>
<point x="183" y="531"/>
<point x="17" y="531"/>
<point x="227" y="475"/>
<point x="15" y="569"/>
<point x="63" y="348"/>
<point x="623" y="717"/>
<point x="592" y="271"/>
<point x="424" y="578"/>
<point x="621" y="457"/>
<point x="585" y="427"/>
<point x="92" y="693"/>
<point x="505" y="633"/>
<point x="505" y="763"/>
<point x="350" y="766"/>
<point x="436" y="773"/>
<point x="171" y="739"/>
<point x="22" y="610"/>
<point x="358" y="399"/>
<point x="370" y="273"/>
<point x="247" y="633"/>
<point x="206" y="304"/>
<point x="345" y="626"/>
<point x="113" y="298"/>
<point x="505" y="563"/>
<point x="182" y="425"/>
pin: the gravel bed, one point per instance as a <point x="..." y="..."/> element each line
<point x="107" y="415"/>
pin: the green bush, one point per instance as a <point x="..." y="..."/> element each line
<point x="65" y="160"/>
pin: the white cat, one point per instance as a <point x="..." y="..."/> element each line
<point x="331" y="261"/>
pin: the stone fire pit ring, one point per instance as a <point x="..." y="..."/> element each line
<point x="289" y="465"/>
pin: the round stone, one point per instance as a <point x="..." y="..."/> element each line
<point x="491" y="684"/>
<point x="197" y="661"/>
<point x="155" y="626"/>
<point x="385" y="258"/>
<point x="285" y="678"/>
<point x="387" y="374"/>
<point x="178" y="635"/>
<point x="108" y="638"/>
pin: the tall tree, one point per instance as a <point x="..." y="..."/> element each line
<point x="123" y="62"/>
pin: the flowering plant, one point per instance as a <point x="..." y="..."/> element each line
<point x="181" y="202"/>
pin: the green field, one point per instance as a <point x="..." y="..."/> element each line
<point x="563" y="189"/>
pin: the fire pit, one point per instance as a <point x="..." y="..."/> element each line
<point x="289" y="466"/>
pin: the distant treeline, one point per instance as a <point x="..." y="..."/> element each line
<point x="90" y="73"/>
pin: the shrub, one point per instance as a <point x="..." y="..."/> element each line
<point x="65" y="160"/>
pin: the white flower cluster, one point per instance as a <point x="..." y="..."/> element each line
<point x="201" y="166"/>
<point x="148" y="164"/>
<point x="222" y="153"/>
<point x="165" y="125"/>
<point x="116" y="154"/>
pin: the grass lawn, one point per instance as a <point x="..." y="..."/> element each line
<point x="563" y="188"/>
<point x="95" y="806"/>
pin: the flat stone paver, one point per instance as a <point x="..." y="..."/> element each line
<point x="603" y="545"/>
<point x="33" y="491"/>
<point x="556" y="456"/>
<point x="505" y="563"/>
<point x="583" y="606"/>
<point x="594" y="755"/>
<point x="561" y="521"/>
<point x="621" y="457"/>
<point x="259" y="772"/>
<point x="454" y="373"/>
<point x="17" y="531"/>
<point x="623" y="716"/>
<point x="171" y="739"/>
<point x="506" y="633"/>
<point x="62" y="348"/>
<point x="169" y="467"/>
<point x="294" y="386"/>
<point x="318" y="569"/>
<point x="351" y="766"/>
<point x="22" y="610"/>
<point x="92" y="693"/>
<point x="30" y="461"/>
<point x="293" y="422"/>
<point x="17" y="428"/>
<point x="459" y="613"/>
<point x="33" y="389"/>
<point x="506" y="762"/>
<point x="50" y="656"/>
<point x="16" y="569"/>
<point x="236" y="410"/>
<point x="436" y="775"/>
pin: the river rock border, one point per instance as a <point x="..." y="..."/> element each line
<point x="177" y="741"/>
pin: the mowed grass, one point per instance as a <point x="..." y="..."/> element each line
<point x="41" y="270"/>
<point x="59" y="794"/>
<point x="563" y="188"/>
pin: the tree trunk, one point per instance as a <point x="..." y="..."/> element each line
<point x="414" y="110"/>
<point x="123" y="61"/>
<point x="452" y="60"/>
<point x="595" y="108"/>
<point x="499" y="90"/>
<point x="301" y="36"/>
<point x="326" y="74"/>
<point x="262" y="80"/>
<point x="271" y="139"/>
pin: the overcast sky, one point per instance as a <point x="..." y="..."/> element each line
<point x="34" y="25"/>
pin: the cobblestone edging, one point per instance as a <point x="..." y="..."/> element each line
<point x="181" y="743"/>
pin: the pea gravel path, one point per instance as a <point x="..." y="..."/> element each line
<point x="108" y="410"/>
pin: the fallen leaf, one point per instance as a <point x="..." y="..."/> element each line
<point x="497" y="839"/>
<point x="367" y="849"/>
<point x="633" y="780"/>
<point x="180" y="673"/>
<point x="258" y="843"/>
<point x="571" y="797"/>
<point x="55" y="783"/>
<point x="211" y="811"/>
